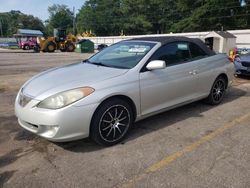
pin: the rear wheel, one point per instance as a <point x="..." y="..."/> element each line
<point x="26" y="47"/>
<point x="217" y="92"/>
<point x="111" y="122"/>
<point x="51" y="47"/>
<point x="36" y="48"/>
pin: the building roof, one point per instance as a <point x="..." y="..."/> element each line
<point x="225" y="34"/>
<point x="28" y="33"/>
<point x="221" y="34"/>
<point x="169" y="39"/>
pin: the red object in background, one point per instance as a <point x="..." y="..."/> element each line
<point x="30" y="43"/>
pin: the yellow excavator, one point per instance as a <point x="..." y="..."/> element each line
<point x="60" y="41"/>
<point x="88" y="34"/>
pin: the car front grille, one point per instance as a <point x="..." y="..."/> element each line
<point x="245" y="64"/>
<point x="23" y="99"/>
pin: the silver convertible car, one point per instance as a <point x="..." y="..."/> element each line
<point x="103" y="96"/>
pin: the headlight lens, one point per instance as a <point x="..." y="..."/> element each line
<point x="65" y="98"/>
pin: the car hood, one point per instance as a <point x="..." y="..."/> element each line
<point x="69" y="77"/>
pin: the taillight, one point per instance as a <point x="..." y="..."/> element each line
<point x="232" y="55"/>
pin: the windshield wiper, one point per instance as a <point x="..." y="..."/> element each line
<point x="100" y="64"/>
<point x="95" y="63"/>
<point x="104" y="65"/>
<point x="86" y="61"/>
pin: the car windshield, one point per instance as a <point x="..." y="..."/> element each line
<point x="123" y="55"/>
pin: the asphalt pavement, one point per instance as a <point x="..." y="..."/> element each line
<point x="196" y="145"/>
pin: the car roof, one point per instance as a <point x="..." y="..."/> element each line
<point x="169" y="39"/>
<point x="162" y="39"/>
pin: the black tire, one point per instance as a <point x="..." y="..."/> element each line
<point x="70" y="47"/>
<point x="36" y="49"/>
<point x="26" y="47"/>
<point x="50" y="47"/>
<point x="111" y="122"/>
<point x="217" y="91"/>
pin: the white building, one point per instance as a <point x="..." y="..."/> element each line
<point x="220" y="41"/>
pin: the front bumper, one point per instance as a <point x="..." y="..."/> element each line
<point x="66" y="124"/>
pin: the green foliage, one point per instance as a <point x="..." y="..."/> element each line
<point x="109" y="17"/>
<point x="60" y="16"/>
<point x="13" y="20"/>
<point x="211" y="15"/>
<point x="100" y="16"/>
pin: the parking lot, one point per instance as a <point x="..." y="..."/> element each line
<point x="196" y="145"/>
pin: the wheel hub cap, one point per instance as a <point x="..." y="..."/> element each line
<point x="114" y="123"/>
<point x="218" y="90"/>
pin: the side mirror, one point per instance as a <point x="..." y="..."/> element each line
<point x="156" y="64"/>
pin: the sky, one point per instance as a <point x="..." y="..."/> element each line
<point x="38" y="8"/>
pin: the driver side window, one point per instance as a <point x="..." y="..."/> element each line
<point x="173" y="53"/>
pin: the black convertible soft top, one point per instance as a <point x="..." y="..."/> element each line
<point x="169" y="39"/>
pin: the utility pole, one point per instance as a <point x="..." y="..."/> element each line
<point x="1" y="27"/>
<point x="74" y="21"/>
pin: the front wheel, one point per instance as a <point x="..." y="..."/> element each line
<point x="26" y="47"/>
<point x="111" y="122"/>
<point x="217" y="92"/>
<point x="70" y="47"/>
<point x="50" y="47"/>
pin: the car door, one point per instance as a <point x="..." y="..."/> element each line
<point x="173" y="85"/>
<point x="204" y="69"/>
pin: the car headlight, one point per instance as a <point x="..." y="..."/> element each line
<point x="65" y="98"/>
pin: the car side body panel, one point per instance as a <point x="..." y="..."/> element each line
<point x="208" y="69"/>
<point x="167" y="87"/>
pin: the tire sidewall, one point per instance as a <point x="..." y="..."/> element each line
<point x="70" y="45"/>
<point x="26" y="47"/>
<point x="50" y="44"/>
<point x="94" y="127"/>
<point x="211" y="98"/>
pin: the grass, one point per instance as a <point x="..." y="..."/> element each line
<point x="10" y="47"/>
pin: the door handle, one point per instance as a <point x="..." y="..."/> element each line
<point x="194" y="72"/>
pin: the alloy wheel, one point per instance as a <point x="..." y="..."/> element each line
<point x="114" y="123"/>
<point x="218" y="90"/>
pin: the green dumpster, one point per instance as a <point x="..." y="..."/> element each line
<point x="85" y="46"/>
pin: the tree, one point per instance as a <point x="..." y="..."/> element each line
<point x="100" y="16"/>
<point x="110" y="17"/>
<point x="210" y="15"/>
<point x="60" y="16"/>
<point x="13" y="20"/>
